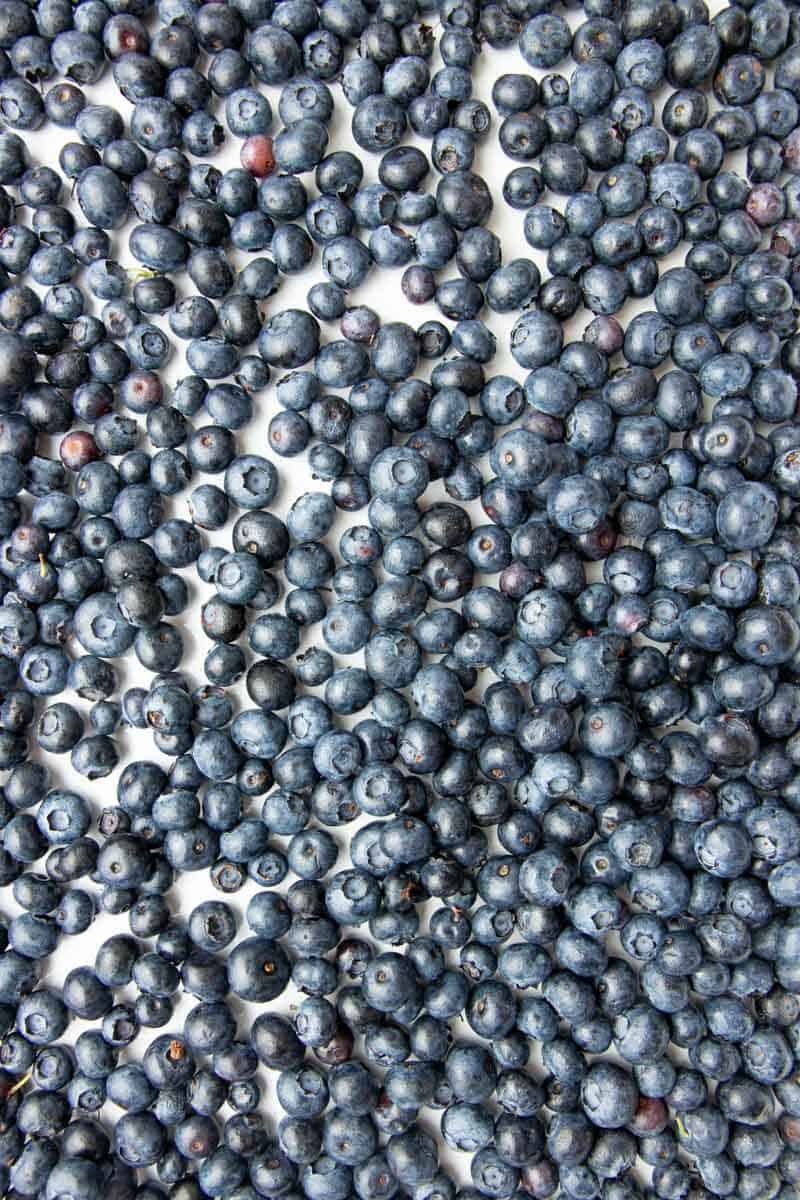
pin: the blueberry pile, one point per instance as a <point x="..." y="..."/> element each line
<point x="504" y="778"/>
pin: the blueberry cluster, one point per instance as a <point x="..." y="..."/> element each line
<point x="568" y="937"/>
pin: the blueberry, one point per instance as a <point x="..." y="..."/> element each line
<point x="580" y="470"/>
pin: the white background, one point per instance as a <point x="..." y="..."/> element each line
<point x="382" y="291"/>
